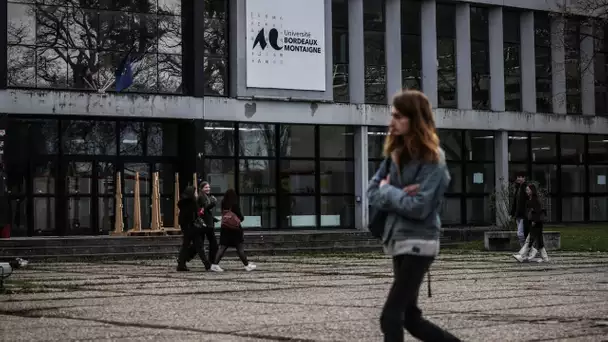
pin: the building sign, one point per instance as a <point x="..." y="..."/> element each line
<point x="286" y="44"/>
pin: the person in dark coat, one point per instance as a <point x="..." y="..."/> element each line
<point x="207" y="202"/>
<point x="536" y="217"/>
<point x="188" y="213"/>
<point x="519" y="207"/>
<point x="231" y="237"/>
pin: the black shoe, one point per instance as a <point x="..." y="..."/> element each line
<point x="182" y="268"/>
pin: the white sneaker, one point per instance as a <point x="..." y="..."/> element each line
<point x="523" y="253"/>
<point x="250" y="267"/>
<point x="216" y="268"/>
<point x="544" y="255"/>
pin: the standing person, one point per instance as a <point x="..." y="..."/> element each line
<point x="536" y="217"/>
<point x="519" y="208"/>
<point x="207" y="203"/>
<point x="188" y="213"/>
<point x="231" y="236"/>
<point x="410" y="192"/>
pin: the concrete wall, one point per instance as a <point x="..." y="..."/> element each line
<point x="228" y="109"/>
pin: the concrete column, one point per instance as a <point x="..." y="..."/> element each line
<point x="464" y="90"/>
<point x="558" y="65"/>
<point x="497" y="64"/>
<point x="501" y="171"/>
<point x="528" y="62"/>
<point x="428" y="17"/>
<point x="356" y="52"/>
<point x="361" y="178"/>
<point x="587" y="70"/>
<point x="392" y="43"/>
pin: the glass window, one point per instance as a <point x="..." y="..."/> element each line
<point x="450" y="211"/>
<point x="219" y="139"/>
<point x="479" y="210"/>
<point x="573" y="209"/>
<point x="259" y="211"/>
<point x="297" y="141"/>
<point x="572" y="44"/>
<point x="451" y="143"/>
<point x="131" y="138"/>
<point x="598" y="149"/>
<point x="339" y="13"/>
<point x="81" y="46"/>
<point x="572" y="148"/>
<point x="44" y="214"/>
<point x="598" y="209"/>
<point x="43" y="136"/>
<point x="129" y="174"/>
<point x="336" y="141"/>
<point x="337" y="177"/>
<point x="44" y="177"/>
<point x="544" y="147"/>
<point x="375" y="62"/>
<point x="480" y="64"/>
<point x="298" y="212"/>
<point x="574" y="179"/>
<point x="375" y="142"/>
<point x="544" y="82"/>
<point x="546" y="176"/>
<point x="480" y="178"/>
<point x="479" y="145"/>
<point x="456" y="174"/>
<point x="600" y="69"/>
<point x="162" y="139"/>
<point x="89" y="137"/>
<point x="220" y="174"/>
<point x="411" y="45"/>
<point x="511" y="55"/>
<point x="257" y="176"/>
<point x="597" y="178"/>
<point x="518" y="147"/>
<point x="298" y="176"/>
<point x="215" y="47"/>
<point x="446" y="55"/>
<point x="256" y="140"/>
<point x="337" y="211"/>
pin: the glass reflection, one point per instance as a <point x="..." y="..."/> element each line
<point x="572" y="148"/>
<point x="215" y="47"/>
<point x="79" y="215"/>
<point x="219" y="139"/>
<point x="162" y="139"/>
<point x="336" y="141"/>
<point x="297" y="211"/>
<point x="337" y="211"/>
<point x="479" y="145"/>
<point x="80" y="44"/>
<point x="131" y="138"/>
<point x="79" y="178"/>
<point x="544" y="147"/>
<point x="297" y="141"/>
<point x="220" y="174"/>
<point x="44" y="214"/>
<point x="257" y="176"/>
<point x="337" y="177"/>
<point x="256" y="140"/>
<point x="574" y="179"/>
<point x="480" y="64"/>
<point x="298" y="176"/>
<point x="259" y="211"/>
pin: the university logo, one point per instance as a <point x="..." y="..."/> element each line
<point x="273" y="39"/>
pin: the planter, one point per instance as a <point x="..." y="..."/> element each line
<point x="508" y="241"/>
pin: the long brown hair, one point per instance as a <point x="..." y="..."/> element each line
<point x="421" y="142"/>
<point x="230" y="199"/>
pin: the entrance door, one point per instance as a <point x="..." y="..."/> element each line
<point x="86" y="197"/>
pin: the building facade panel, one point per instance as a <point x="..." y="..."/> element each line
<point x="298" y="159"/>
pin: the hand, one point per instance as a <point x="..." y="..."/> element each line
<point x="412" y="189"/>
<point x="385" y="181"/>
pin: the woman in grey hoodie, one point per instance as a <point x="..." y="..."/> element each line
<point x="410" y="192"/>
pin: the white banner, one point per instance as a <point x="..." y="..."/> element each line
<point x="286" y="44"/>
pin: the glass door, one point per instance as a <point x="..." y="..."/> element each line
<point x="78" y="195"/>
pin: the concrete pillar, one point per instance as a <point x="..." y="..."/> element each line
<point x="464" y="80"/>
<point x="497" y="64"/>
<point x="558" y="65"/>
<point x="428" y="17"/>
<point x="356" y="52"/>
<point x="361" y="177"/>
<point x="587" y="70"/>
<point x="528" y="62"/>
<point x="501" y="171"/>
<point x="392" y="43"/>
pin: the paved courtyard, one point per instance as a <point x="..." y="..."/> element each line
<point x="479" y="297"/>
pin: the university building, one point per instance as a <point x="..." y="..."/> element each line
<point x="286" y="101"/>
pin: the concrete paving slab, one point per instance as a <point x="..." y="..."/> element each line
<point x="478" y="296"/>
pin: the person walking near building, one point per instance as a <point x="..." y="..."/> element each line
<point x="411" y="230"/>
<point x="191" y="235"/>
<point x="536" y="217"/>
<point x="206" y="203"/>
<point x="231" y="231"/>
<point x="519" y="208"/>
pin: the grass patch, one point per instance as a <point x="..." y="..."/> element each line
<point x="585" y="238"/>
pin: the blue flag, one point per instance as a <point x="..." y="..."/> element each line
<point x="124" y="74"/>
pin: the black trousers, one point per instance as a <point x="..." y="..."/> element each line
<point x="192" y="240"/>
<point x="210" y="235"/>
<point x="401" y="307"/>
<point x="536" y="235"/>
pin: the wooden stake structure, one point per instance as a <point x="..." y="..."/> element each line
<point x="155" y="222"/>
<point x="136" y="206"/>
<point x="118" y="219"/>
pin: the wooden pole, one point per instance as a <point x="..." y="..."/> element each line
<point x="175" y="201"/>
<point x="194" y="182"/>
<point x="118" y="220"/>
<point x="155" y="225"/>
<point x="160" y="216"/>
<point x="136" y="206"/>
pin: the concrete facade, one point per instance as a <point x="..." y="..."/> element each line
<point x="287" y="106"/>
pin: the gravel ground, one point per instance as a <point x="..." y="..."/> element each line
<point x="477" y="296"/>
